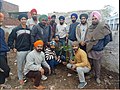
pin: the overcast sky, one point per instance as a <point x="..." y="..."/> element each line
<point x="48" y="6"/>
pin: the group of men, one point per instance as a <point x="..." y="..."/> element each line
<point x="30" y="38"/>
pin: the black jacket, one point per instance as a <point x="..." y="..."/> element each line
<point x="21" y="37"/>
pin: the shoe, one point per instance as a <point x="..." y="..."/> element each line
<point x="69" y="75"/>
<point x="82" y="84"/>
<point x="40" y="87"/>
<point x="4" y="86"/>
<point x="44" y="77"/>
<point x="98" y="80"/>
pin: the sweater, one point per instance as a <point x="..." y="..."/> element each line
<point x="81" y="59"/>
<point x="34" y="61"/>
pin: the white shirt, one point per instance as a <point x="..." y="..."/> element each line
<point x="83" y="31"/>
<point x="30" y="23"/>
<point x="61" y="30"/>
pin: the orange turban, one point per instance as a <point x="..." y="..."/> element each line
<point x="1" y="15"/>
<point x="38" y="42"/>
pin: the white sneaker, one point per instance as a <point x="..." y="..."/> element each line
<point x="69" y="75"/>
<point x="44" y="77"/>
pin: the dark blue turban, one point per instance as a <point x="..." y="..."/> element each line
<point x="22" y="15"/>
<point x="74" y="14"/>
<point x="61" y="17"/>
<point x="84" y="15"/>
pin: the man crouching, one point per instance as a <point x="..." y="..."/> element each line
<point x="36" y="67"/>
<point x="80" y="64"/>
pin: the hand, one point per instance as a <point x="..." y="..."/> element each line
<point x="42" y="71"/>
<point x="82" y="43"/>
<point x="49" y="71"/>
<point x="56" y="58"/>
<point x="72" y="62"/>
<point x="14" y="50"/>
<point x="73" y="67"/>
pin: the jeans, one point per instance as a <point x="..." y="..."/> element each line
<point x="52" y="63"/>
<point x="80" y="71"/>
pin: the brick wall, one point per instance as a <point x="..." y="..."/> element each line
<point x="9" y="7"/>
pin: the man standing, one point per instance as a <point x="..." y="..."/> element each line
<point x="97" y="37"/>
<point x="61" y="30"/>
<point x="72" y="31"/>
<point x="4" y="68"/>
<point x="36" y="67"/>
<point x="81" y="30"/>
<point x="53" y="25"/>
<point x="41" y="31"/>
<point x="33" y="20"/>
<point x="21" y="36"/>
<point x="80" y="64"/>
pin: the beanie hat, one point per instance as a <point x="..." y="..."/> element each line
<point x="74" y="14"/>
<point x="84" y="15"/>
<point x="43" y="17"/>
<point x="61" y="17"/>
<point x="22" y="15"/>
<point x="38" y="42"/>
<point x="33" y="10"/>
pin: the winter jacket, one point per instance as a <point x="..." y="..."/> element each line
<point x="41" y="32"/>
<point x="22" y="39"/>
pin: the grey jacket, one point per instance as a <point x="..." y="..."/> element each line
<point x="35" y="61"/>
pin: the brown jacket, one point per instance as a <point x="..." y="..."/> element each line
<point x="94" y="35"/>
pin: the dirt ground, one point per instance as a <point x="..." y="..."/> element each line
<point x="109" y="80"/>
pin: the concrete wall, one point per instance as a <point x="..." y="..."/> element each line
<point x="111" y="54"/>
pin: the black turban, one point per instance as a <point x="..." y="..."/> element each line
<point x="84" y="15"/>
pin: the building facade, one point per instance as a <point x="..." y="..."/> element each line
<point x="113" y="22"/>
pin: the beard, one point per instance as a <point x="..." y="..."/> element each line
<point x="83" y="23"/>
<point x="34" y="18"/>
<point x="61" y="23"/>
<point x="95" y="23"/>
<point x="38" y="50"/>
<point x="75" y="50"/>
<point x="73" y="21"/>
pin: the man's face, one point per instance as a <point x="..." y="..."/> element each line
<point x="53" y="19"/>
<point x="73" y="18"/>
<point x="44" y="22"/>
<point x="23" y="21"/>
<point x="83" y="20"/>
<point x="1" y="21"/>
<point x="39" y="48"/>
<point x="34" y="14"/>
<point x="61" y="22"/>
<point x="94" y="20"/>
<point x="75" y="48"/>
